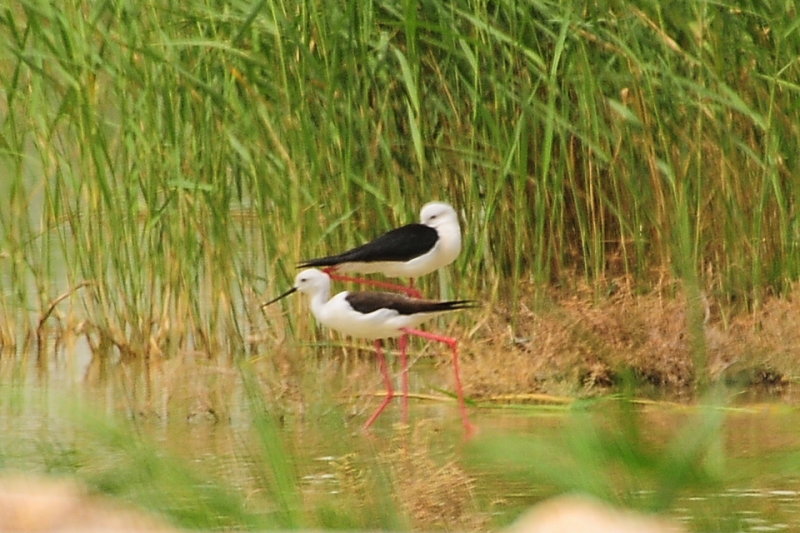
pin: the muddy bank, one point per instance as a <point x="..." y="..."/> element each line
<point x="567" y="343"/>
<point x="575" y="343"/>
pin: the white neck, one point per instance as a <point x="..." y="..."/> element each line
<point x="318" y="300"/>
<point x="450" y="240"/>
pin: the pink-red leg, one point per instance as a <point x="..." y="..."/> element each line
<point x="410" y="290"/>
<point x="453" y="343"/>
<point x="402" y="344"/>
<point x="387" y="380"/>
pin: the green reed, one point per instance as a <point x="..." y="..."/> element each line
<point x="182" y="157"/>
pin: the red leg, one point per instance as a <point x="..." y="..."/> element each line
<point x="410" y="291"/>
<point x="403" y="345"/>
<point x="453" y="343"/>
<point x="387" y="380"/>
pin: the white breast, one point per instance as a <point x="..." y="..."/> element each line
<point x="380" y="324"/>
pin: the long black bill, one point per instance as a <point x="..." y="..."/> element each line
<point x="284" y="295"/>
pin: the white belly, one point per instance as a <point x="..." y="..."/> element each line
<point x="381" y="324"/>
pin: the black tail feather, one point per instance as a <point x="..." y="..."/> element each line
<point x="458" y="304"/>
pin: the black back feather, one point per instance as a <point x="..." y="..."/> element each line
<point x="401" y="244"/>
<point x="367" y="302"/>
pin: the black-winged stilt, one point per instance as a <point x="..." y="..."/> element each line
<point x="378" y="316"/>
<point x="409" y="251"/>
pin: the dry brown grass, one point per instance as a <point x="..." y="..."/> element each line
<point x="577" y="344"/>
<point x="426" y="484"/>
<point x="435" y="493"/>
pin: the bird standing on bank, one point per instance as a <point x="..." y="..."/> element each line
<point x="377" y="316"/>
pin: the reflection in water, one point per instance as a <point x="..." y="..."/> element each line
<point x="743" y="509"/>
<point x="197" y="410"/>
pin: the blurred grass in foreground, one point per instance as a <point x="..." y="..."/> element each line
<point x="182" y="156"/>
<point x="409" y="479"/>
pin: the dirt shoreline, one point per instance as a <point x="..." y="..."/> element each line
<point x="576" y="344"/>
<point x="566" y="343"/>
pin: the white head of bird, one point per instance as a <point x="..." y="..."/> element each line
<point x="444" y="219"/>
<point x="314" y="282"/>
<point x="438" y="214"/>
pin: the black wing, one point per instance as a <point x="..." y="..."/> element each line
<point x="401" y="244"/>
<point x="367" y="302"/>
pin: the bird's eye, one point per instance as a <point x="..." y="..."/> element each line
<point x="303" y="280"/>
<point x="433" y="216"/>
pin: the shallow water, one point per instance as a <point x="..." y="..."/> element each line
<point x="206" y="422"/>
<point x="760" y="489"/>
